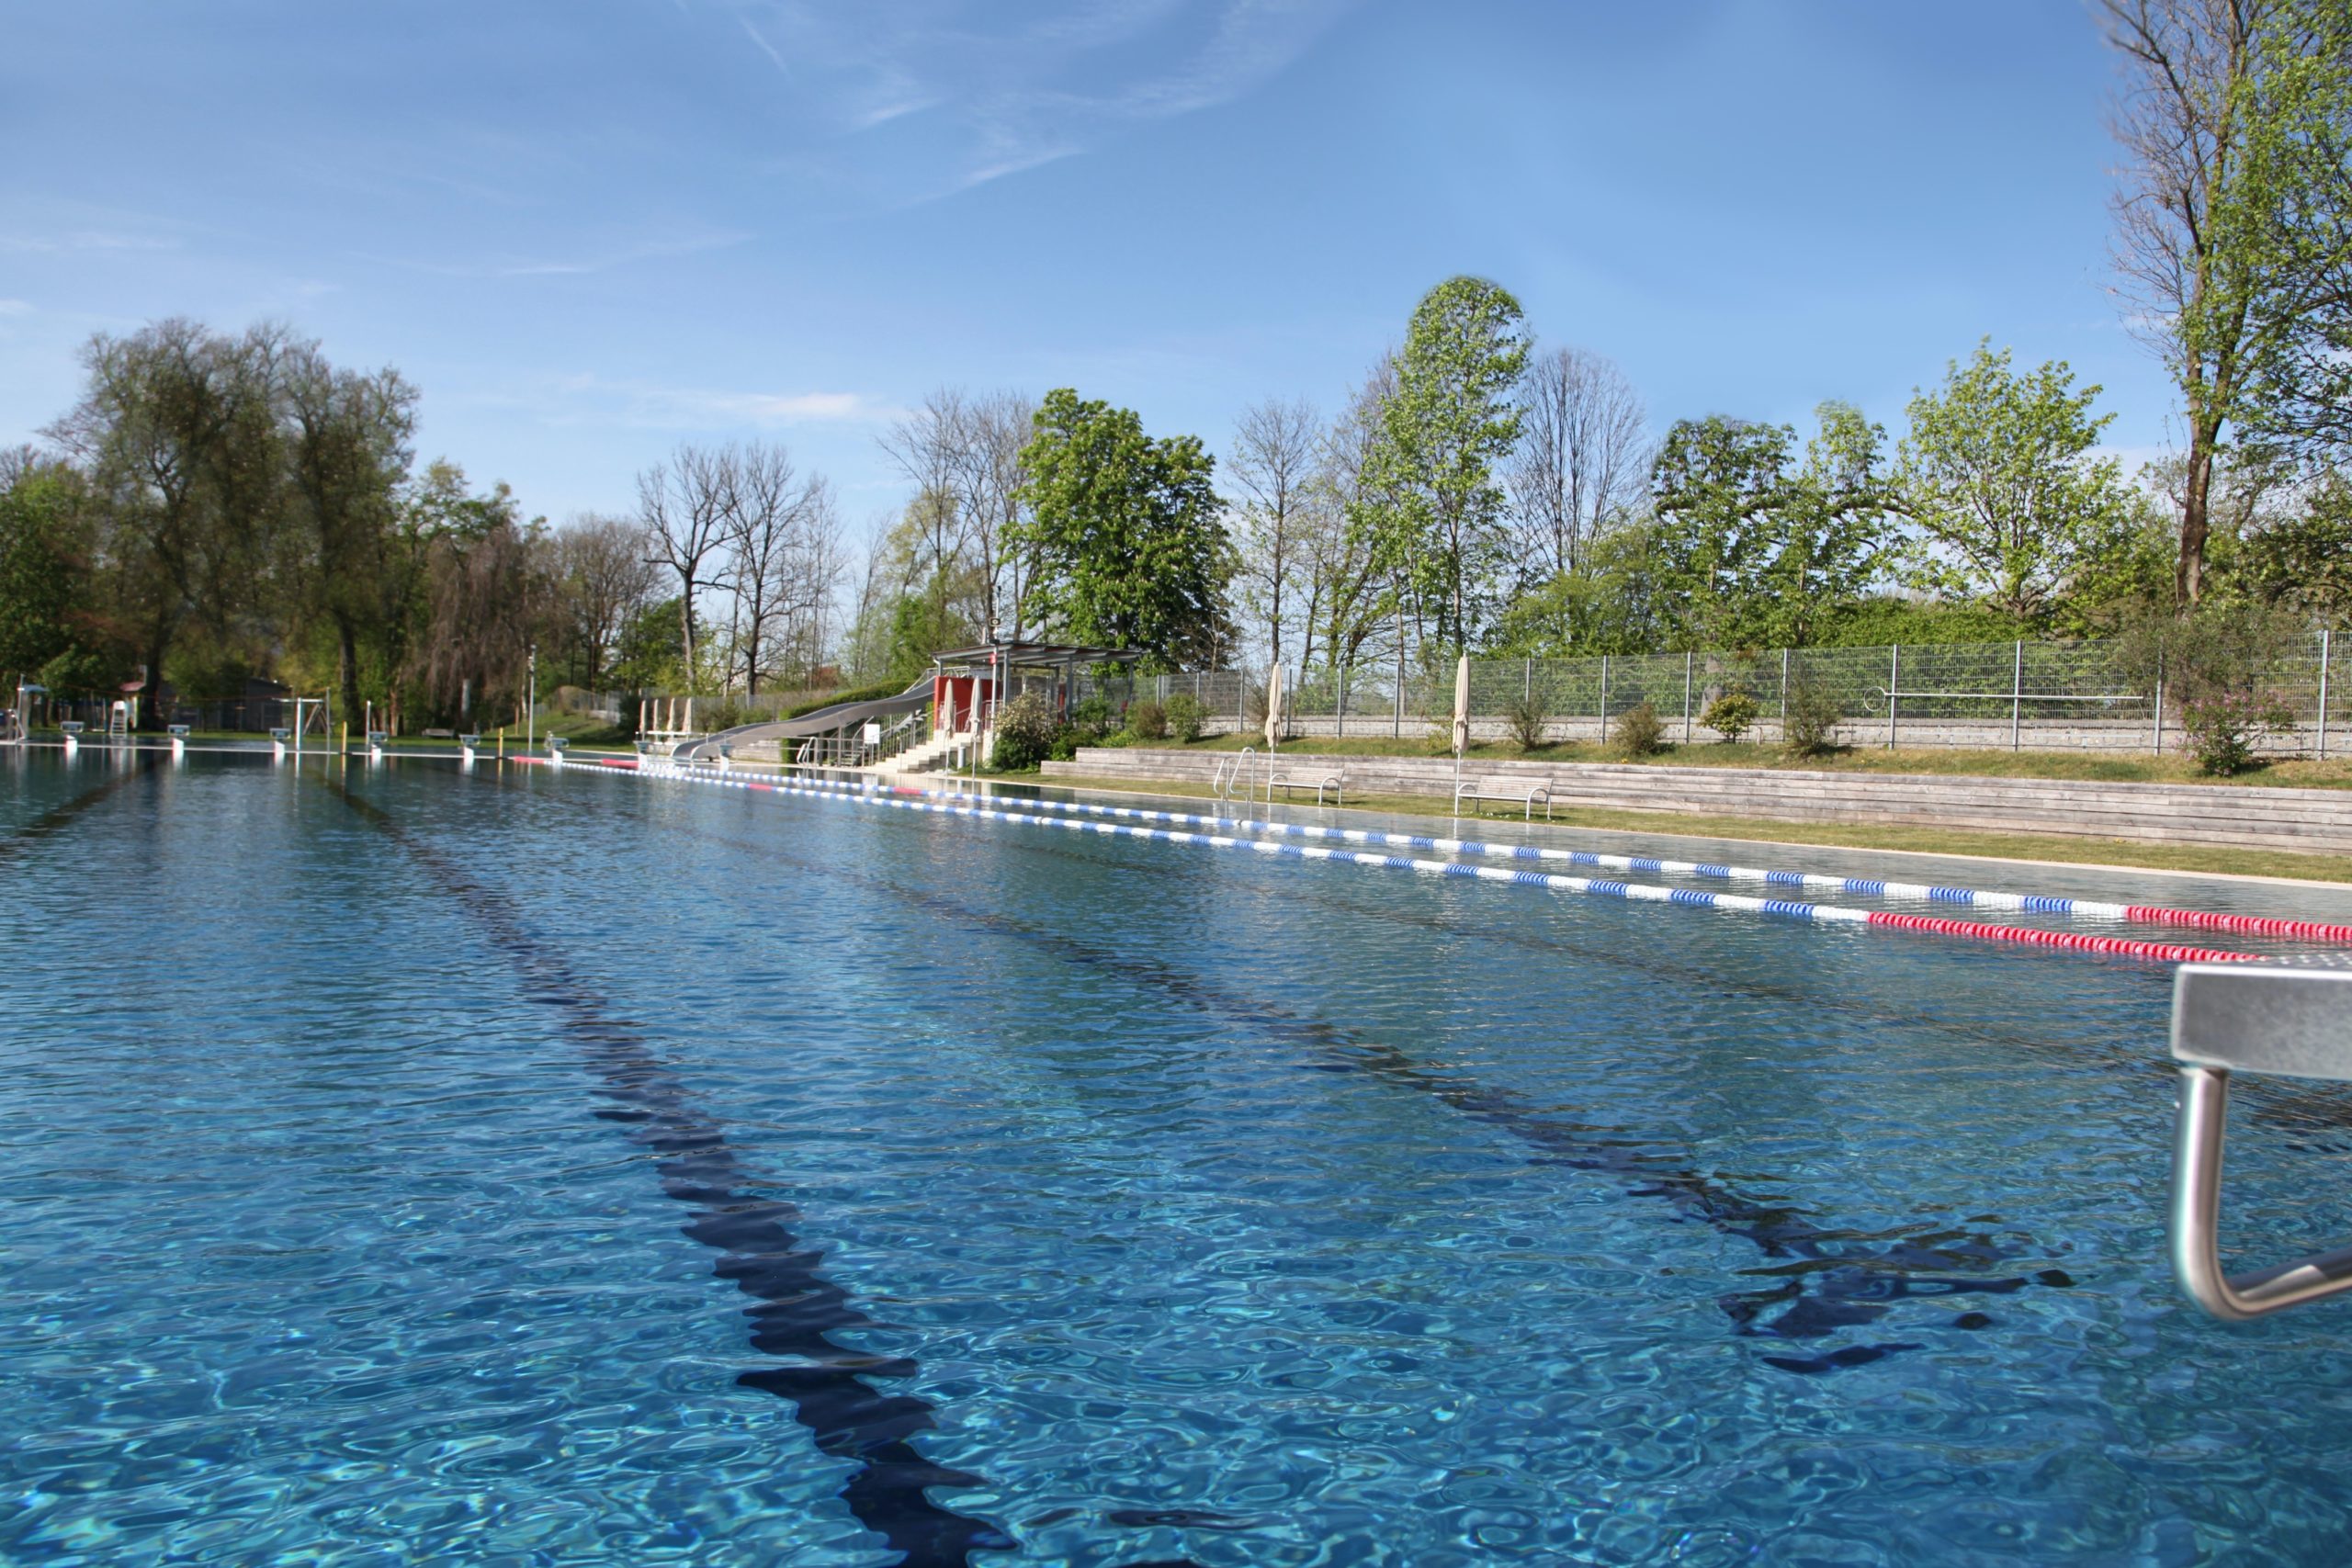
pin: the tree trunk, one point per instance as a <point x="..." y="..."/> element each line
<point x="347" y="661"/>
<point x="2197" y="488"/>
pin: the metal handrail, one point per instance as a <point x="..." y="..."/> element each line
<point x="2291" y="1016"/>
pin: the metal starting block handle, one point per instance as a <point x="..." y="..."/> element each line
<point x="2287" y="1016"/>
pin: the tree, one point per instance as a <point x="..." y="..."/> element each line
<point x="1998" y="476"/>
<point x="177" y="432"/>
<point x="780" y="534"/>
<point x="1349" y="598"/>
<point x="44" y="570"/>
<point x="605" y="578"/>
<point x="683" y="506"/>
<point x="2230" y="219"/>
<point x="1128" y="549"/>
<point x="1273" y="464"/>
<point x="347" y="453"/>
<point x="1448" y="422"/>
<point x="2293" y="201"/>
<point x="2299" y="558"/>
<point x="1754" y="549"/>
<point x="1583" y="457"/>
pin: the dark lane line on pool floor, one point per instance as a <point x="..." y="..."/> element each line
<point x="801" y="1310"/>
<point x="59" y="816"/>
<point x="1822" y="1287"/>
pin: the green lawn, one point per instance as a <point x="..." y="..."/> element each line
<point x="2109" y="767"/>
<point x="2051" y="848"/>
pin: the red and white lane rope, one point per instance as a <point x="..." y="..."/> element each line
<point x="906" y="799"/>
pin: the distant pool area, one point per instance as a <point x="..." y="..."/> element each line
<point x="523" y="1166"/>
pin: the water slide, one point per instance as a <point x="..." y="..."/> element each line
<point x="824" y="721"/>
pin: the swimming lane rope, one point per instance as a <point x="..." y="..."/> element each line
<point x="912" y="800"/>
<point x="2029" y="903"/>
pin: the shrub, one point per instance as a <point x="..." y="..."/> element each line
<point x="1525" y="716"/>
<point x="1185" y="716"/>
<point x="1640" y="731"/>
<point x="1091" y="718"/>
<point x="2223" y="728"/>
<point x="1732" y="714"/>
<point x="1810" y="729"/>
<point x="1147" y="720"/>
<point x="1026" y="728"/>
<point x="1065" y="745"/>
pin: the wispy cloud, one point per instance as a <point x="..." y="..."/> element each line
<point x="966" y="93"/>
<point x="16" y="308"/>
<point x="591" y="397"/>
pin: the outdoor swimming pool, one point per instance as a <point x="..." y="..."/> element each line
<point x="522" y="1168"/>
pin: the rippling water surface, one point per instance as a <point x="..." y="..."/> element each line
<point x="403" y="1166"/>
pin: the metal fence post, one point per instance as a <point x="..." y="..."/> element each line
<point x="2017" y="693"/>
<point x="2158" y="745"/>
<point x="1604" y="697"/>
<point x="1686" y="696"/>
<point x="2324" y="638"/>
<point x="1339" y="708"/>
<point x="1894" y="686"/>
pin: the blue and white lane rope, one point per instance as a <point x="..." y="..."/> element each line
<point x="1825" y="914"/>
<point x="2025" y="903"/>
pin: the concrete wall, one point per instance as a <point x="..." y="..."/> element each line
<point x="2312" y="821"/>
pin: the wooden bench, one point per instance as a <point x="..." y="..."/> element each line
<point x="1505" y="789"/>
<point x="1335" y="782"/>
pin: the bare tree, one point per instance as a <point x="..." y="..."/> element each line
<point x="780" y="537"/>
<point x="926" y="445"/>
<point x="990" y="479"/>
<point x="683" y="506"/>
<point x="607" y="573"/>
<point x="1273" y="463"/>
<point x="1583" y="456"/>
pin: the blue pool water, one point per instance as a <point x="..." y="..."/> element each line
<point x="403" y="1166"/>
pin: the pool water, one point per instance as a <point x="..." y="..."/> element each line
<point x="522" y="1168"/>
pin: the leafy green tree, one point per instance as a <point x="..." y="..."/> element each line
<point x="2232" y="228"/>
<point x="1998" y="476"/>
<point x="347" y="455"/>
<point x="1129" y="551"/>
<point x="2303" y="561"/>
<point x="177" y="432"/>
<point x="1608" y="603"/>
<point x="1757" y="548"/>
<point x="1444" y="428"/>
<point x="44" y="571"/>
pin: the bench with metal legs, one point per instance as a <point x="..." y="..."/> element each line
<point x="1524" y="795"/>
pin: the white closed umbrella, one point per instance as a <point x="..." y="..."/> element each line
<point x="1273" y="707"/>
<point x="1461" y="722"/>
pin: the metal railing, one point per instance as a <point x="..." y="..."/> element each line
<point x="2019" y="694"/>
<point x="2290" y="1017"/>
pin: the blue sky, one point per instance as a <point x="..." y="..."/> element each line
<point x="592" y="229"/>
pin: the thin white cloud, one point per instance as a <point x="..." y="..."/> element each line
<point x="654" y="406"/>
<point x="16" y="308"/>
<point x="1000" y="89"/>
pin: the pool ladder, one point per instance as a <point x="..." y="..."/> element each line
<point x="1233" y="776"/>
<point x="2287" y="1016"/>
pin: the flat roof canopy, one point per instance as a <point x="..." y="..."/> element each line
<point x="1036" y="655"/>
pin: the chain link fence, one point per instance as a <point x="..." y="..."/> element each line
<point x="2020" y="695"/>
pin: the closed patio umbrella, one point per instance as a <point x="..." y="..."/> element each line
<point x="1273" y="707"/>
<point x="1462" y="706"/>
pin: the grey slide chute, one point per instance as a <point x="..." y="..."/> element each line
<point x="824" y="721"/>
